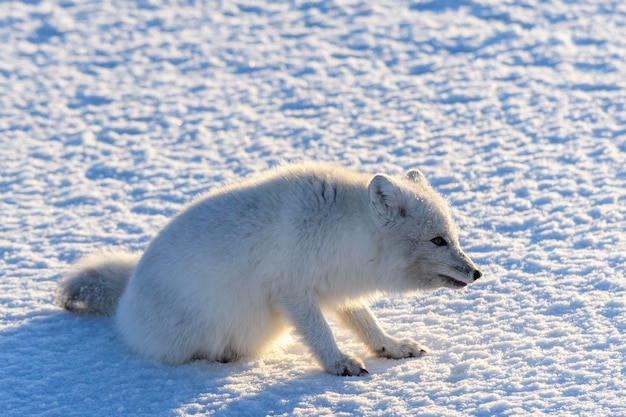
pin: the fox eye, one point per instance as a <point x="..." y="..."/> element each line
<point x="439" y="241"/>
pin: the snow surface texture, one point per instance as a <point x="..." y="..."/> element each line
<point x="113" y="114"/>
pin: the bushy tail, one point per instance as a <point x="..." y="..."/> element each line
<point x="95" y="283"/>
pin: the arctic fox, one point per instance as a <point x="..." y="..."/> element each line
<point x="244" y="262"/>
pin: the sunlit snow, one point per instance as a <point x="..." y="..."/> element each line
<point x="114" y="114"/>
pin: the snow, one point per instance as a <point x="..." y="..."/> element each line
<point x="114" y="114"/>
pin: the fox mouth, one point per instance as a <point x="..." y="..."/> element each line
<point x="453" y="282"/>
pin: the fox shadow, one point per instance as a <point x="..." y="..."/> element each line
<point x="60" y="364"/>
<point x="295" y="386"/>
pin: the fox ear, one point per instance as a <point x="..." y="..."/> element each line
<point x="385" y="199"/>
<point x="416" y="176"/>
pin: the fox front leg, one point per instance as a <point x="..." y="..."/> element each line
<point x="307" y="317"/>
<point x="362" y="320"/>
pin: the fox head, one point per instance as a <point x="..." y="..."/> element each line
<point x="419" y="241"/>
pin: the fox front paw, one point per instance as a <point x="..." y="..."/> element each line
<point x="348" y="366"/>
<point x="399" y="349"/>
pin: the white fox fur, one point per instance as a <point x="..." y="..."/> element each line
<point x="239" y="265"/>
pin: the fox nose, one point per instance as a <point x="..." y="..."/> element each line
<point x="477" y="274"/>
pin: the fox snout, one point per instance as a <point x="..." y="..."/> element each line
<point x="477" y="274"/>
<point x="471" y="271"/>
<point x="471" y="275"/>
<point x="474" y="272"/>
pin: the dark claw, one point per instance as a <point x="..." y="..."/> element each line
<point x="362" y="372"/>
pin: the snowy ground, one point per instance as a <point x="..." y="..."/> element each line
<point x="113" y="114"/>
